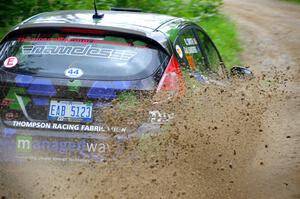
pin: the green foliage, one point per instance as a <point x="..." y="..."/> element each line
<point x="293" y="1"/>
<point x="17" y="10"/>
<point x="223" y="33"/>
<point x="188" y="9"/>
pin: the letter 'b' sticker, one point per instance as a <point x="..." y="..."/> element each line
<point x="10" y="62"/>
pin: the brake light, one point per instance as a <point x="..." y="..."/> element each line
<point x="172" y="79"/>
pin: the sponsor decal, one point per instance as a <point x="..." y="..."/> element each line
<point x="74" y="85"/>
<point x="11" y="115"/>
<point x="73" y="72"/>
<point x="191" y="62"/>
<point x="13" y="94"/>
<point x="25" y="147"/>
<point x="23" y="143"/>
<point x="6" y="102"/>
<point x="190" y="41"/>
<point x="179" y="51"/>
<point x="10" y="62"/>
<point x="97" y="147"/>
<point x="190" y="50"/>
<point x="86" y="51"/>
<point x="77" y="40"/>
<point x="8" y="132"/>
<point x="69" y="127"/>
<point x="159" y="117"/>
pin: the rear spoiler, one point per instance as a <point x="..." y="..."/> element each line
<point x="83" y="26"/>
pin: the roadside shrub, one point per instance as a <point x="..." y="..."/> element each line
<point x="188" y="9"/>
<point x="18" y="10"/>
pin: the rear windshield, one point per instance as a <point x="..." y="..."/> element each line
<point x="102" y="57"/>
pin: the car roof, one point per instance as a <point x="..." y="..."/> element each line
<point x="144" y="22"/>
<point x="157" y="27"/>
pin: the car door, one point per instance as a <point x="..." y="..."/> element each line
<point x="197" y="54"/>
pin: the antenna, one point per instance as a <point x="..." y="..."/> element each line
<point x="96" y="15"/>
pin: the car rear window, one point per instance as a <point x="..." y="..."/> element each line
<point x="101" y="57"/>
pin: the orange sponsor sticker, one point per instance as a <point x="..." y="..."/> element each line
<point x="191" y="62"/>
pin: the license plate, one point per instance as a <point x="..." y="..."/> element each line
<point x="70" y="111"/>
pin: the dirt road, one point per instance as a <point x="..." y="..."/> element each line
<point x="241" y="141"/>
<point x="270" y="33"/>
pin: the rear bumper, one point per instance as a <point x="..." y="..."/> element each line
<point x="57" y="130"/>
<point x="19" y="144"/>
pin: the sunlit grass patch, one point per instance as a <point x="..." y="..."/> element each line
<point x="224" y="34"/>
<point x="294" y="1"/>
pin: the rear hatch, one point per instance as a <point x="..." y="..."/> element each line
<point x="77" y="79"/>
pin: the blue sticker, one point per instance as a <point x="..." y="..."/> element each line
<point x="73" y="72"/>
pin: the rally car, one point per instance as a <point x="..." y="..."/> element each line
<point x="60" y="71"/>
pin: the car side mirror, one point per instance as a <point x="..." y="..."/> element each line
<point x="241" y="72"/>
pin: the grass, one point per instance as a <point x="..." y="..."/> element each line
<point x="224" y="34"/>
<point x="293" y="1"/>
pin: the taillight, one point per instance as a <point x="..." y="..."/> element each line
<point x="172" y="79"/>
